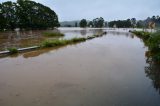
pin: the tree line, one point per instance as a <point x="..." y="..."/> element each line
<point x="133" y="23"/>
<point x="128" y="23"/>
<point x="26" y="14"/>
<point x="95" y="23"/>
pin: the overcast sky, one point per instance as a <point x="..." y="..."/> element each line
<point x="108" y="9"/>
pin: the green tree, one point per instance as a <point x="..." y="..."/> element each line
<point x="90" y="24"/>
<point x="76" y="24"/>
<point x="98" y="22"/>
<point x="8" y="12"/>
<point x="134" y="22"/>
<point x="140" y="24"/>
<point x="35" y="15"/>
<point x="83" y="23"/>
<point x="121" y="23"/>
<point x="2" y="19"/>
<point x="27" y="14"/>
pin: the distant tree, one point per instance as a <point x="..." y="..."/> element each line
<point x="98" y="22"/>
<point x="128" y="23"/>
<point x="76" y="24"/>
<point x="90" y="24"/>
<point x="83" y="23"/>
<point x="134" y="22"/>
<point x="140" y="24"/>
<point x="121" y="23"/>
<point x="153" y="18"/>
<point x="106" y="24"/>
<point x="158" y="21"/>
<point x="111" y="24"/>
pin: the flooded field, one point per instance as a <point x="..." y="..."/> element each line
<point x="21" y="39"/>
<point x="105" y="71"/>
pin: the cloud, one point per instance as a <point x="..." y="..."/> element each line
<point x="109" y="9"/>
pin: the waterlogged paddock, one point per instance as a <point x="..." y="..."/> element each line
<point x="105" y="71"/>
<point x="22" y="39"/>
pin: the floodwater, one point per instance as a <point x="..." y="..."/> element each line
<point x="22" y="39"/>
<point x="105" y="71"/>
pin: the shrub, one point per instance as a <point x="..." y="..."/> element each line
<point x="47" y="43"/>
<point x="52" y="43"/>
<point x="13" y="50"/>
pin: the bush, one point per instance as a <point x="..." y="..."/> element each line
<point x="13" y="50"/>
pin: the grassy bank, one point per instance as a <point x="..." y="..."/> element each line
<point x="152" y="40"/>
<point x="62" y="42"/>
<point x="52" y="34"/>
<point x="13" y="50"/>
<point x="142" y="34"/>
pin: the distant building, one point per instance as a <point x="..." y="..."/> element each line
<point x="151" y="25"/>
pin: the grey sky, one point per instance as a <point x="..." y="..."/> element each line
<point x="108" y="9"/>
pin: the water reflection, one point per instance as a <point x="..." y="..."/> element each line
<point x="39" y="52"/>
<point x="107" y="71"/>
<point x="20" y="39"/>
<point x="117" y="33"/>
<point x="83" y="32"/>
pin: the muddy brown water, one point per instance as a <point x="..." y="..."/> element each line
<point x="105" y="71"/>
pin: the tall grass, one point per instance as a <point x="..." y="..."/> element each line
<point x="152" y="40"/>
<point x="142" y="34"/>
<point x="61" y="42"/>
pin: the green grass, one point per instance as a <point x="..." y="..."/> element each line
<point x="152" y="40"/>
<point x="142" y="34"/>
<point x="53" y="43"/>
<point x="13" y="50"/>
<point x="58" y="42"/>
<point x="52" y="34"/>
<point x="61" y="42"/>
